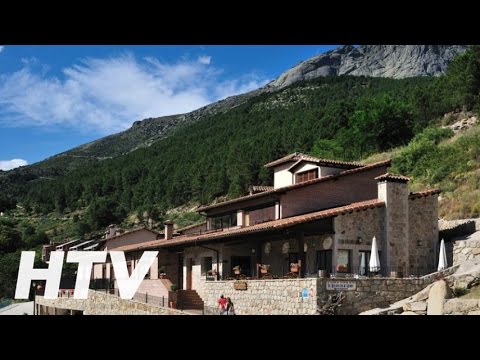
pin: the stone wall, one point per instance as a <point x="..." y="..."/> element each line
<point x="397" y="234"/>
<point x="355" y="232"/>
<point x="283" y="296"/>
<point x="372" y="292"/>
<point x="468" y="249"/>
<point x="99" y="303"/>
<point x="423" y="237"/>
<point x="265" y="297"/>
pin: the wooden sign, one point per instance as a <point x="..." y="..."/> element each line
<point x="341" y="285"/>
<point x="240" y="285"/>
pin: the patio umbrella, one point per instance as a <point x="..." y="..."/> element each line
<point x="442" y="261"/>
<point x="362" y="264"/>
<point x="374" y="264"/>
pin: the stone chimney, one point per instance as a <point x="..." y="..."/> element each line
<point x="168" y="229"/>
<point x="393" y="190"/>
<point x="110" y="232"/>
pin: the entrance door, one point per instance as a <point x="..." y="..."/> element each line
<point x="190" y="263"/>
<point x="324" y="260"/>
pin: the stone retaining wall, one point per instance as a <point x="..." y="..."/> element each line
<point x="265" y="297"/>
<point x="284" y="296"/>
<point x="372" y="292"/>
<point x="99" y="303"/>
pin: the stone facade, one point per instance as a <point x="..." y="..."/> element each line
<point x="423" y="234"/>
<point x="396" y="231"/>
<point x="283" y="296"/>
<point x="464" y="250"/>
<point x="99" y="303"/>
<point x="265" y="297"/>
<point x="355" y="231"/>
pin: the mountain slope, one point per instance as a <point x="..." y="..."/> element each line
<point x="394" y="61"/>
<point x="310" y="111"/>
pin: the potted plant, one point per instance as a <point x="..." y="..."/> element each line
<point x="237" y="270"/>
<point x="264" y="268"/>
<point x="162" y="272"/>
<point x="294" y="267"/>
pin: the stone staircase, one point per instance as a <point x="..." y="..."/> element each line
<point x="189" y="300"/>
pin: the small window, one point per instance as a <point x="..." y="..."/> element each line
<point x="306" y="175"/>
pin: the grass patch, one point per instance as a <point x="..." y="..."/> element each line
<point x="473" y="293"/>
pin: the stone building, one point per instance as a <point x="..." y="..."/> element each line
<point x="319" y="217"/>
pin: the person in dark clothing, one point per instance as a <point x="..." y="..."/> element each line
<point x="230" y="309"/>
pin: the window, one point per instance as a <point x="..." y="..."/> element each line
<point x="206" y="265"/>
<point x="343" y="261"/>
<point x="324" y="260"/>
<point x="306" y="175"/>
<point x="224" y="221"/>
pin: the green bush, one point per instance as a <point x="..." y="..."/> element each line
<point x="459" y="291"/>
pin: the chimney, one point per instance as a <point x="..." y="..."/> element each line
<point x="393" y="190"/>
<point x="168" y="229"/>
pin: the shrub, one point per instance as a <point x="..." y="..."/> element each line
<point x="459" y="291"/>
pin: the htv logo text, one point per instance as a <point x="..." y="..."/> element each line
<point x="127" y="285"/>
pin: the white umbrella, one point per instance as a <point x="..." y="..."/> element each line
<point x="442" y="261"/>
<point x="374" y="264"/>
<point x="362" y="264"/>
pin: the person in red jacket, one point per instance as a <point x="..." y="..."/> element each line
<point x="222" y="304"/>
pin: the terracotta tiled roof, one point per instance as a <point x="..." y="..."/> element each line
<point x="327" y="162"/>
<point x="294" y="186"/>
<point x="259" y="188"/>
<point x="416" y="195"/>
<point x="393" y="178"/>
<point x="191" y="226"/>
<point x="129" y="232"/>
<point x="264" y="227"/>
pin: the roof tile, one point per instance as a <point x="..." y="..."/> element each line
<point x="267" y="226"/>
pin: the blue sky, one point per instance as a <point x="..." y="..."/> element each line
<point x="53" y="98"/>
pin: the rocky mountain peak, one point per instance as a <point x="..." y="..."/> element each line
<point x="395" y="61"/>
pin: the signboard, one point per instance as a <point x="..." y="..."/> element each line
<point x="240" y="285"/>
<point x="341" y="285"/>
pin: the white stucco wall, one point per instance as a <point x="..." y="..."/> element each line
<point x="281" y="176"/>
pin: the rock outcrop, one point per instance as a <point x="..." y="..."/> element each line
<point x="395" y="61"/>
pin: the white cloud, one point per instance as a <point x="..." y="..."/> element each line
<point x="12" y="164"/>
<point x="106" y="95"/>
<point x="204" y="60"/>
<point x="28" y="60"/>
<point x="1" y="48"/>
<point x="240" y="86"/>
